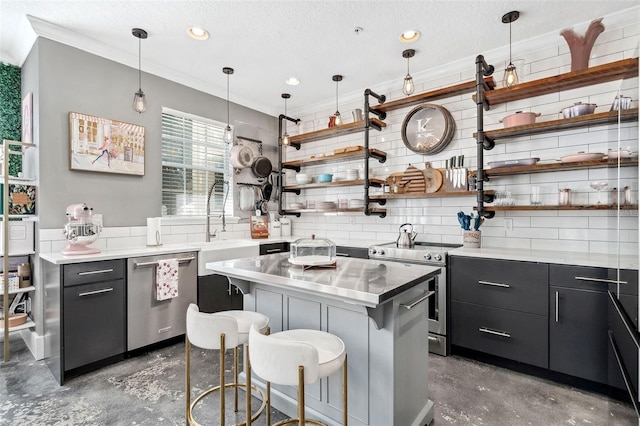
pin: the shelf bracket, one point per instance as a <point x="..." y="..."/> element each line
<point x="280" y="166"/>
<point x="482" y="70"/>
<point x="378" y="156"/>
<point x="290" y="167"/>
<point x="368" y="124"/>
<point x="294" y="191"/>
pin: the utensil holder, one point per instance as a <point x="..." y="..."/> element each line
<point x="471" y="239"/>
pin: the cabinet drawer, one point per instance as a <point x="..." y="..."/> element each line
<point x="91" y="272"/>
<point x="513" y="335"/>
<point x="272" y="248"/>
<point x="519" y="286"/>
<point x="359" y="252"/>
<point x="579" y="277"/>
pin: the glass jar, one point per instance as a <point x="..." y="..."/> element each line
<point x="312" y="251"/>
<point x="564" y="197"/>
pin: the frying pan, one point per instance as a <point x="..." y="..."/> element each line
<point x="261" y="167"/>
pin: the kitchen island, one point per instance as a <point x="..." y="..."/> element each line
<point x="375" y="307"/>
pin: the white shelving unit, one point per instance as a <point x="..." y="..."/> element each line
<point x="6" y="253"/>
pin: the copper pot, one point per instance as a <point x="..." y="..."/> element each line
<point x="520" y="119"/>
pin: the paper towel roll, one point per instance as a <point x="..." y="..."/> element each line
<point x="154" y="231"/>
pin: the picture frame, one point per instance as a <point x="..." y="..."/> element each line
<point x="104" y="145"/>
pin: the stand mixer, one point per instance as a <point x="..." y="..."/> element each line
<point x="81" y="230"/>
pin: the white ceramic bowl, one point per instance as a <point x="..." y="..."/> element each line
<point x="303" y="178"/>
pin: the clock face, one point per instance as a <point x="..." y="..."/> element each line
<point x="428" y="129"/>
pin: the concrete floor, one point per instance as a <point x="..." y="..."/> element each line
<point x="149" y="390"/>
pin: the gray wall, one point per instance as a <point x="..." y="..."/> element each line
<point x="64" y="79"/>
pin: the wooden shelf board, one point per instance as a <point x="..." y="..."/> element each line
<point x="576" y="165"/>
<point x="608" y="117"/>
<point x="344" y="129"/>
<point x="344" y="156"/>
<point x="336" y="210"/>
<point x="337" y="183"/>
<point x="28" y="324"/>
<point x="618" y="70"/>
<point x="437" y="194"/>
<point x="550" y="207"/>
<point x="445" y="92"/>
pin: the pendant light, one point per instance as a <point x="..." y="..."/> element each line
<point x="337" y="78"/>
<point x="285" y="136"/>
<point x="228" y="133"/>
<point x="139" y="100"/>
<point x="510" y="78"/>
<point x="407" y="86"/>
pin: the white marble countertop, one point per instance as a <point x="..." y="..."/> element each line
<point x="366" y="282"/>
<point x="546" y="256"/>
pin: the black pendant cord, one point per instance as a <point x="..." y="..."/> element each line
<point x="227" y="100"/>
<point x="510" y="44"/>
<point x="337" y="111"/>
<point x="139" y="63"/>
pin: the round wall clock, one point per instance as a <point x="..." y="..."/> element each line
<point x="428" y="129"/>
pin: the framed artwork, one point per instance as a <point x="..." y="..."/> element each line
<point x="103" y="145"/>
<point x="27" y="118"/>
<point x="428" y="129"/>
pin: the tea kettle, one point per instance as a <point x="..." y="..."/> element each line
<point x="406" y="237"/>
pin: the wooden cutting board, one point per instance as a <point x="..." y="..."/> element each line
<point x="413" y="180"/>
<point x="433" y="178"/>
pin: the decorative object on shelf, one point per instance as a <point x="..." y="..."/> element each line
<point x="520" y="119"/>
<point x="580" y="46"/>
<point x="227" y="137"/>
<point x="22" y="199"/>
<point x="139" y="99"/>
<point x="357" y="115"/>
<point x="510" y="78"/>
<point x="564" y="197"/>
<point x="619" y="153"/>
<point x="535" y="196"/>
<point x="27" y="118"/>
<point x="337" y="120"/>
<point x="621" y="103"/>
<point x="432" y="178"/>
<point x="428" y="129"/>
<point x="285" y="136"/>
<point x="513" y="163"/>
<point x="324" y="177"/>
<point x="407" y="86"/>
<point x="413" y="180"/>
<point x="582" y="156"/>
<point x="578" y="109"/>
<point x="102" y="145"/>
<point x="80" y="230"/>
<point x="599" y="186"/>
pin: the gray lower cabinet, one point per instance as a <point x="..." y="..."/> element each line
<point x="216" y="294"/>
<point x="500" y="307"/>
<point x="94" y="312"/>
<point x="578" y="323"/>
<point x="357" y="252"/>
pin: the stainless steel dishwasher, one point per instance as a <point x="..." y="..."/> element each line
<point x="149" y="320"/>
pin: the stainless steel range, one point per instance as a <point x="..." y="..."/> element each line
<point x="432" y="254"/>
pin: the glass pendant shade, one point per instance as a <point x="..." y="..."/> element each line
<point x="285" y="136"/>
<point x="408" y="87"/>
<point x="139" y="102"/>
<point x="338" y="119"/>
<point x="285" y="139"/>
<point x="510" y="78"/>
<point x="227" y="137"/>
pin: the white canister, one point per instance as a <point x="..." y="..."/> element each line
<point x="285" y="226"/>
<point x="276" y="228"/>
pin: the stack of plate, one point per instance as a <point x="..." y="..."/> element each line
<point x="352" y="174"/>
<point x="297" y="206"/>
<point x="356" y="204"/>
<point x="325" y="205"/>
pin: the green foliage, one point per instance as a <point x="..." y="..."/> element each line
<point x="11" y="110"/>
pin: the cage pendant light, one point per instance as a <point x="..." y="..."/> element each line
<point x="337" y="78"/>
<point x="510" y="78"/>
<point x="285" y="136"/>
<point x="407" y="86"/>
<point x="139" y="99"/>
<point x="227" y="137"/>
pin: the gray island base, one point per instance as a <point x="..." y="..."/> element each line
<point x="377" y="308"/>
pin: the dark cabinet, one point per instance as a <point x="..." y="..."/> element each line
<point x="358" y="252"/>
<point x="215" y="294"/>
<point x="94" y="312"/>
<point x="271" y="248"/>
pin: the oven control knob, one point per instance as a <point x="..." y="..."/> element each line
<point x="380" y="252"/>
<point x="427" y="256"/>
<point x="438" y="257"/>
<point x="372" y="251"/>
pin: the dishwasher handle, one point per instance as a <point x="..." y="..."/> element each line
<point x="155" y="262"/>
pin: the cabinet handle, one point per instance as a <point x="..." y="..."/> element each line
<point x="91" y="293"/>
<point x="427" y="295"/>
<point x="494" y="284"/>
<point x="494" y="332"/>
<point x="99" y="271"/>
<point x="181" y="260"/>
<point x="432" y="339"/>
<point x="557" y="305"/>
<point x="600" y="280"/>
<point x="229" y="289"/>
<point x="274" y="250"/>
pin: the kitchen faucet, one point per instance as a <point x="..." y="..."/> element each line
<point x="224" y="202"/>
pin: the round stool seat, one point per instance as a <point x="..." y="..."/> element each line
<point x="245" y="320"/>
<point x="331" y="349"/>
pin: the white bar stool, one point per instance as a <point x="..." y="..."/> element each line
<point x="222" y="331"/>
<point x="298" y="357"/>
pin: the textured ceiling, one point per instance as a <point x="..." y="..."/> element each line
<point x="268" y="41"/>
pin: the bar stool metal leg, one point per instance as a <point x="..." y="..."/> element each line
<point x="187" y="345"/>
<point x="222" y="387"/>
<point x="301" y="421"/>
<point x="248" y="388"/>
<point x="345" y="414"/>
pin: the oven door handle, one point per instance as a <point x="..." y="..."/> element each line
<point x="416" y="302"/>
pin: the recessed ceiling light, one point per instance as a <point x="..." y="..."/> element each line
<point x="410" y="36"/>
<point x="198" y="33"/>
<point x="292" y="81"/>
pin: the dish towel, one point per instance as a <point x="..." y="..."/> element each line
<point x="167" y="279"/>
